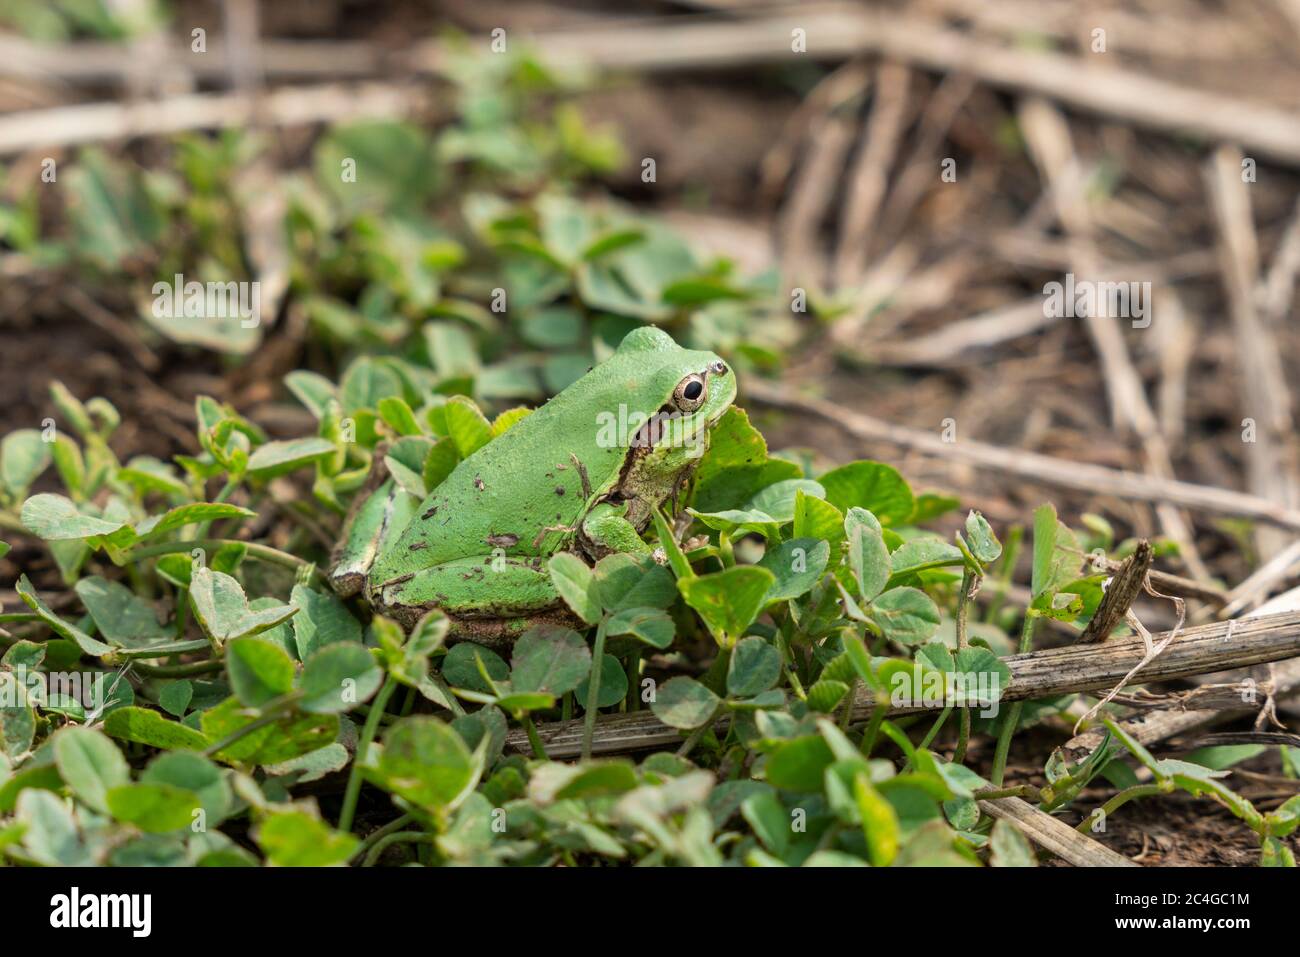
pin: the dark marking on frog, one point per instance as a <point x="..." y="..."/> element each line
<point x="559" y="490"/>
<point x="432" y="511"/>
<point x="505" y="540"/>
<point x="416" y="546"/>
<point x="478" y="483"/>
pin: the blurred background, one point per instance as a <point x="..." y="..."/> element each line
<point x="857" y="202"/>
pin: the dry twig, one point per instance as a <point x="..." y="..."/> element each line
<point x="1054" y="834"/>
<point x="835" y="32"/>
<point x="1053" y="148"/>
<point x="1266" y="400"/>
<point x="1081" y="476"/>
<point x="870" y="174"/>
<point x="290" y="106"/>
<point x="1164" y="722"/>
<point x="1040" y="674"/>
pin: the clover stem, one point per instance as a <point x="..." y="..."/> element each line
<point x="408" y="704"/>
<point x="963" y="737"/>
<point x="1118" y="801"/>
<point x="534" y="739"/>
<point x="873" y="729"/>
<point x="593" y="690"/>
<point x="401" y="837"/>
<point x="182" y="611"/>
<point x="633" y="670"/>
<point x="177" y="671"/>
<point x="171" y="648"/>
<point x="265" y="553"/>
<point x="271" y="712"/>
<point x="202" y="528"/>
<point x="725" y="551"/>
<point x="963" y="607"/>
<point x="1007" y="567"/>
<point x="384" y="718"/>
<point x="694" y="737"/>
<point x="788" y="663"/>
<point x="934" y="728"/>
<point x="363" y="747"/>
<point x="392" y="827"/>
<point x="846" y="717"/>
<point x="1013" y="715"/>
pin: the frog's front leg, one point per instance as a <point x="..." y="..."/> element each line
<point x="606" y="530"/>
<point x="379" y="514"/>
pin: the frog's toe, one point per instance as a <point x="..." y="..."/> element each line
<point x="374" y="521"/>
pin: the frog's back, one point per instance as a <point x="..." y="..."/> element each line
<point x="503" y="496"/>
<point x="526" y="490"/>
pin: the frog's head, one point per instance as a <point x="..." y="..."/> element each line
<point x="680" y="392"/>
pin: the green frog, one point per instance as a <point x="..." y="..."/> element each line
<point x="582" y="473"/>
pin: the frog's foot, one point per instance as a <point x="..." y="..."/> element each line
<point x="379" y="514"/>
<point x="481" y="588"/>
<point x="605" y="530"/>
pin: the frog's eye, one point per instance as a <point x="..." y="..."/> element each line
<point x="690" y="393"/>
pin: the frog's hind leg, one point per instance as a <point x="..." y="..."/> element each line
<point x="500" y="634"/>
<point x="375" y="521"/>
<point x="480" y="588"/>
